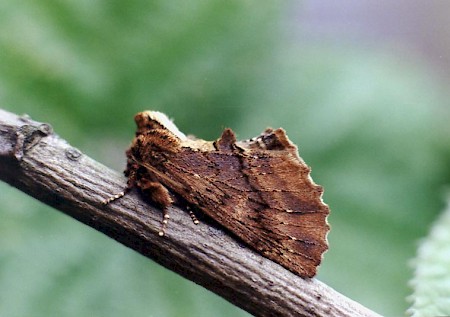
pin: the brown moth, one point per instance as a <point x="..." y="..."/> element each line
<point x="259" y="189"/>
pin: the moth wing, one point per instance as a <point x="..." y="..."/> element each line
<point x="259" y="190"/>
<point x="295" y="211"/>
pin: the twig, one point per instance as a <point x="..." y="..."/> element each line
<point x="41" y="164"/>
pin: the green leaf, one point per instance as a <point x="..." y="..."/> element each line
<point x="431" y="282"/>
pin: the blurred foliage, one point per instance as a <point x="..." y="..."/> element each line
<point x="431" y="284"/>
<point x="371" y="124"/>
<point x="86" y="64"/>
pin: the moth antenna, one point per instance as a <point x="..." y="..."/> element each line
<point x="115" y="197"/>
<point x="166" y="218"/>
<point x="130" y="184"/>
<point x="193" y="217"/>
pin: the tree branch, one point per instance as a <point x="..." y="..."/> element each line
<point x="41" y="164"/>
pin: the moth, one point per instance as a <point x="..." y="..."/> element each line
<point x="259" y="189"/>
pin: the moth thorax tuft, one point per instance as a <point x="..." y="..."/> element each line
<point x="149" y="120"/>
<point x="157" y="140"/>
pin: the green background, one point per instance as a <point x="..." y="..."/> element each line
<point x="372" y="124"/>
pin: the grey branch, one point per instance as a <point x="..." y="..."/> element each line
<point x="41" y="164"/>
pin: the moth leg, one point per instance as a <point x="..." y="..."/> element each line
<point x="193" y="216"/>
<point x="159" y="195"/>
<point x="166" y="218"/>
<point x="130" y="184"/>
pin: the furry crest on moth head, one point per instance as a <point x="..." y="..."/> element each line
<point x="155" y="134"/>
<point x="153" y="120"/>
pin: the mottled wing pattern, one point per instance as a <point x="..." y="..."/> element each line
<point x="295" y="215"/>
<point x="258" y="189"/>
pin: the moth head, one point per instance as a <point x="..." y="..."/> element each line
<point x="155" y="120"/>
<point x="154" y="146"/>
